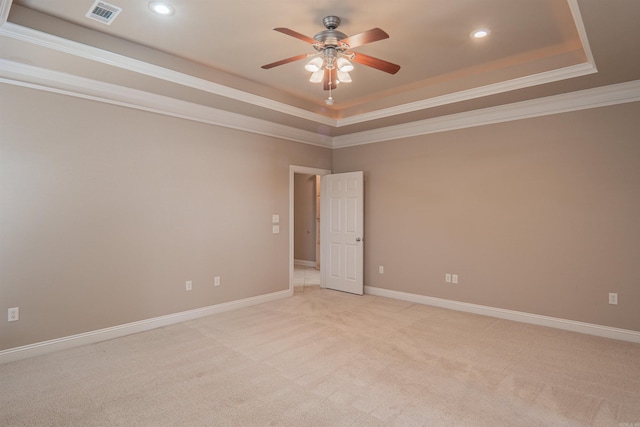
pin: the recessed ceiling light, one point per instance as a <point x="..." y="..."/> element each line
<point x="161" y="8"/>
<point x="479" y="34"/>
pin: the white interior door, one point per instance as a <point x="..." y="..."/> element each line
<point x="342" y="214"/>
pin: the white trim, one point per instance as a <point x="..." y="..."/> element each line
<point x="517" y="316"/>
<point x="478" y="92"/>
<point x="5" y="7"/>
<point x="293" y="169"/>
<point x="580" y="100"/>
<point x="78" y="49"/>
<point x="62" y="83"/>
<point x="60" y="44"/>
<point x="92" y="337"/>
<point x="24" y="75"/>
<point x="518" y="83"/>
<point x="304" y="263"/>
<point x="582" y="32"/>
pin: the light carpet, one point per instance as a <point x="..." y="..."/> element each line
<point x="325" y="358"/>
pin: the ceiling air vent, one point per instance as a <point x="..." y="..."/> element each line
<point x="103" y="12"/>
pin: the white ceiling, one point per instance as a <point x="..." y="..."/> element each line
<point x="208" y="55"/>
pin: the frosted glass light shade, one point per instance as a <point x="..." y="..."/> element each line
<point x="344" y="77"/>
<point x="344" y="65"/>
<point x="317" y="76"/>
<point x="314" y="65"/>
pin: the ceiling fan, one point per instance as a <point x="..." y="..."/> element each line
<point x="330" y="63"/>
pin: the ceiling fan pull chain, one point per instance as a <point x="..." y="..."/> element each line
<point x="329" y="101"/>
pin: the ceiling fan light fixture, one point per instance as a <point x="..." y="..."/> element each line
<point x="331" y="62"/>
<point x="317" y="76"/>
<point x="314" y="65"/>
<point x="344" y="77"/>
<point x="344" y="65"/>
<point x="161" y="8"/>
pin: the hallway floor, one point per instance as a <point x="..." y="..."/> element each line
<point x="305" y="276"/>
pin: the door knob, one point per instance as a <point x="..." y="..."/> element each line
<point x="358" y="239"/>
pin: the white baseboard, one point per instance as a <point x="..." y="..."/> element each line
<point x="304" y="263"/>
<point x="92" y="337"/>
<point x="518" y="316"/>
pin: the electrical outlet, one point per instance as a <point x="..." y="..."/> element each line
<point x="216" y="281"/>
<point x="189" y="285"/>
<point x="447" y="278"/>
<point x="13" y="314"/>
<point x="381" y="269"/>
<point x="613" y="298"/>
<point x="454" y="278"/>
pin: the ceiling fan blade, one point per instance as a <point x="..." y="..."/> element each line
<point x="330" y="78"/>
<point x="365" y="37"/>
<point x="376" y="63"/>
<point x="296" y="35"/>
<point x="285" y="61"/>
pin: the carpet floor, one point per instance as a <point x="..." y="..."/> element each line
<point x="325" y="358"/>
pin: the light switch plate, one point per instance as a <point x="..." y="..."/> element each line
<point x="276" y="229"/>
<point x="275" y="219"/>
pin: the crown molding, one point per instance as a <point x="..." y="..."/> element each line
<point x="54" y="81"/>
<point x="478" y="92"/>
<point x="564" y="73"/>
<point x="49" y="41"/>
<point x="63" y="83"/>
<point x="582" y="32"/>
<point x="60" y="44"/>
<point x="29" y="76"/>
<point x="5" y="7"/>
<point x="580" y="100"/>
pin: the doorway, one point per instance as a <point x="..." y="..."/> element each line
<point x="301" y="170"/>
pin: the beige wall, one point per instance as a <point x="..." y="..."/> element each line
<point x="105" y="212"/>
<point x="539" y="215"/>
<point x="304" y="224"/>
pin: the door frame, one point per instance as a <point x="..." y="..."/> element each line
<point x="293" y="169"/>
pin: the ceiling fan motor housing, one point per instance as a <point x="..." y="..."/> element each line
<point x="329" y="37"/>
